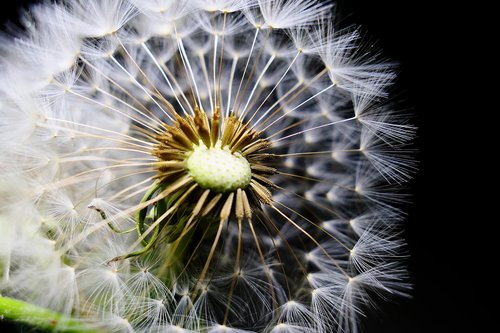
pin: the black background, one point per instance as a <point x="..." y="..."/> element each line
<point x="422" y="37"/>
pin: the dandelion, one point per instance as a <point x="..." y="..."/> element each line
<point x="199" y="166"/>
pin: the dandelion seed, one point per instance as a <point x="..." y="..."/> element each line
<point x="199" y="166"/>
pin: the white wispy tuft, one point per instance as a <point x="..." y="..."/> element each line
<point x="100" y="217"/>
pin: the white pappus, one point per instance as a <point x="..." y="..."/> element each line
<point x="199" y="166"/>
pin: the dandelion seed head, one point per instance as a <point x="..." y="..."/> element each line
<point x="200" y="166"/>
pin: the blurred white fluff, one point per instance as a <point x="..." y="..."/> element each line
<point x="81" y="91"/>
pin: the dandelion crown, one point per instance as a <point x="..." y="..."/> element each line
<point x="199" y="166"/>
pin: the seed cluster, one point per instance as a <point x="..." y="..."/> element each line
<point x="205" y="166"/>
<point x="229" y="136"/>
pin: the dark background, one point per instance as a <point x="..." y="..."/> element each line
<point x="422" y="37"/>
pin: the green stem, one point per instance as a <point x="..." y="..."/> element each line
<point x="41" y="318"/>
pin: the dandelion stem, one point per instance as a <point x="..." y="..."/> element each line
<point x="41" y="318"/>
